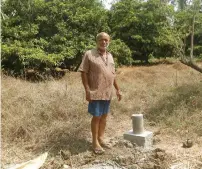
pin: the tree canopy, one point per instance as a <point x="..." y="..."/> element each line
<point x="44" y="34"/>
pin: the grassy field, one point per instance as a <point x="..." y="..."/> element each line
<point x="52" y="115"/>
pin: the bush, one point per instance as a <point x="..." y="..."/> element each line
<point x="16" y="58"/>
<point x="197" y="51"/>
<point x="121" y="52"/>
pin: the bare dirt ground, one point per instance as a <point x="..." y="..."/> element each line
<point x="167" y="152"/>
<point x="136" y="82"/>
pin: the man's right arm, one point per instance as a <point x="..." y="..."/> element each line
<point x="86" y="85"/>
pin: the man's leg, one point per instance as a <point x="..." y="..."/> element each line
<point x="95" y="130"/>
<point x="102" y="125"/>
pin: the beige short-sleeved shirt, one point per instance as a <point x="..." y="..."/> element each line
<point x="100" y="74"/>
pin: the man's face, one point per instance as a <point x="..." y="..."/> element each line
<point x="103" y="42"/>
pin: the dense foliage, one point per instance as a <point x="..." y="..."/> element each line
<point x="45" y="34"/>
<point x="42" y="34"/>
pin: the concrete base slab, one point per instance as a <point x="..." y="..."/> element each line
<point x="144" y="139"/>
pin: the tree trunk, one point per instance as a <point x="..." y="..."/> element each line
<point x="183" y="56"/>
<point x="192" y="65"/>
<point x="192" y="39"/>
<point x="184" y="47"/>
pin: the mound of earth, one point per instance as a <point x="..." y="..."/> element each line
<point x="123" y="154"/>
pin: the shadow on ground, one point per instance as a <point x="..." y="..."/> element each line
<point x="181" y="106"/>
<point x="73" y="143"/>
<point x="153" y="63"/>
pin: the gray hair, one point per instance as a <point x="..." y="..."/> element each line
<point x="101" y="34"/>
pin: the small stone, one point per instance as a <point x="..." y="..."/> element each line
<point x="134" y="166"/>
<point x="157" y="132"/>
<point x="96" y="161"/>
<point x="159" y="150"/>
<point x="128" y="144"/>
<point x="66" y="166"/>
<point x="187" y="144"/>
<point x="156" y="140"/>
<point x="148" y="165"/>
<point x="152" y="124"/>
<point x="178" y="166"/>
<point x="160" y="155"/>
<point x="65" y="154"/>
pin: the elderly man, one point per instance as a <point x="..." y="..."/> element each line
<point x="98" y="78"/>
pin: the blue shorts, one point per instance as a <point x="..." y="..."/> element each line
<point x="98" y="107"/>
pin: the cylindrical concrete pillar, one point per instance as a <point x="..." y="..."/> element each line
<point x="138" y="125"/>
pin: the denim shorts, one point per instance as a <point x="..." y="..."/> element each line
<point x="98" y="107"/>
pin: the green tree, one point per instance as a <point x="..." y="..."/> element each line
<point x="42" y="34"/>
<point x="188" y="21"/>
<point x="146" y="27"/>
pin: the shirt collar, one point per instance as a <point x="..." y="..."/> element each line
<point x="100" y="52"/>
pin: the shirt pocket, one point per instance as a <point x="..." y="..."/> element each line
<point x="112" y="67"/>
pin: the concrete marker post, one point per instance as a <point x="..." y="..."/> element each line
<point x="137" y="121"/>
<point x="138" y="135"/>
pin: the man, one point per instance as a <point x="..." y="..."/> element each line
<point x="98" y="78"/>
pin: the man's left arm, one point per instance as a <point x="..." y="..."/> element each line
<point x="119" y="96"/>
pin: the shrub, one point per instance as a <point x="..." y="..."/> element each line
<point x="121" y="52"/>
<point x="16" y="58"/>
<point x="197" y="50"/>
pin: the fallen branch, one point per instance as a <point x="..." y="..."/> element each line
<point x="192" y="65"/>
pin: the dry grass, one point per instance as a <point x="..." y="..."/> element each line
<point x="51" y="115"/>
<point x="38" y="116"/>
<point x="168" y="95"/>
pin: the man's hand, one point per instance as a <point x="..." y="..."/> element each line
<point x="118" y="94"/>
<point x="88" y="96"/>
